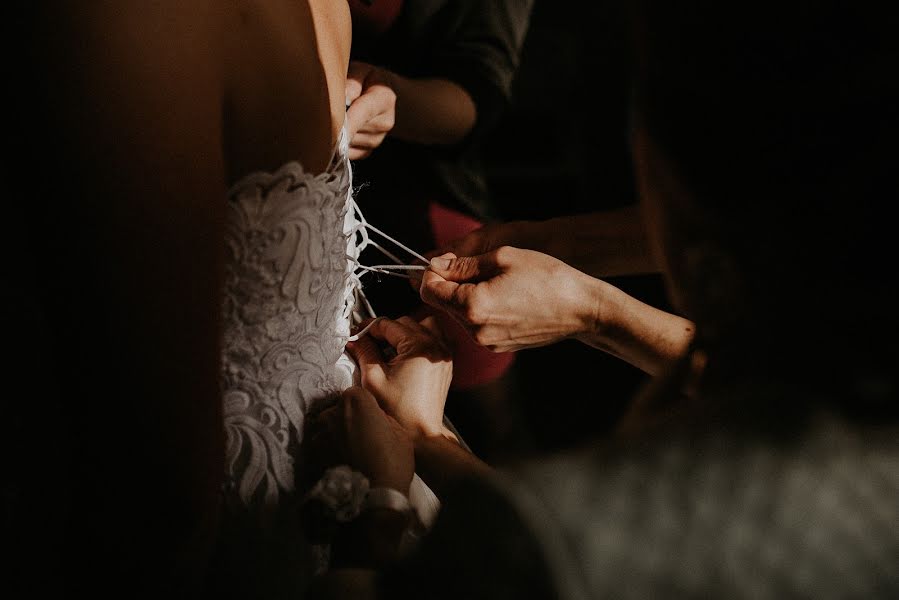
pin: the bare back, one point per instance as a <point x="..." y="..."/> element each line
<point x="285" y="68"/>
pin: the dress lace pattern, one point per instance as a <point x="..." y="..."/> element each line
<point x="288" y="298"/>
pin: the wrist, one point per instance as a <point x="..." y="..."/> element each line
<point x="387" y="500"/>
<point x="387" y="516"/>
<point x="426" y="435"/>
<point x="375" y="538"/>
<point x="418" y="428"/>
<point x="599" y="313"/>
<point x="390" y="481"/>
<point x="642" y="335"/>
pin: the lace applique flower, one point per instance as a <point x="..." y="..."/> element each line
<point x="341" y="492"/>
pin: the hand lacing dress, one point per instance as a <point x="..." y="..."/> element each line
<point x="289" y="297"/>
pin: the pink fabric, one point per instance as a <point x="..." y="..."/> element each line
<point x="374" y="17"/>
<point x="473" y="365"/>
<point x="448" y="224"/>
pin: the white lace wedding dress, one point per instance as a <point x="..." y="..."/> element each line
<point x="289" y="296"/>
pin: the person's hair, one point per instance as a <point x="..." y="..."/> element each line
<point x="779" y="120"/>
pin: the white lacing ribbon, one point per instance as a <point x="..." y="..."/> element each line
<point x="361" y="233"/>
<point x="354" y="293"/>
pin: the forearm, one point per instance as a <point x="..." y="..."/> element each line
<point x="441" y="461"/>
<point x="642" y="335"/>
<point x="431" y="111"/>
<point x="602" y="244"/>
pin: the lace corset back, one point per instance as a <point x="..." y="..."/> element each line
<point x="288" y="299"/>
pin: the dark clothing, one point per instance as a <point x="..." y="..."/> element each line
<point x="473" y="43"/>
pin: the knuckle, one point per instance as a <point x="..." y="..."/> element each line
<point x="481" y="337"/>
<point x="461" y="263"/>
<point x="375" y="379"/>
<point x="429" y="295"/>
<point x="505" y="254"/>
<point x="474" y="314"/>
<point x="477" y="307"/>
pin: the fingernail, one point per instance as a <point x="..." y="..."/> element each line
<point x="440" y="263"/>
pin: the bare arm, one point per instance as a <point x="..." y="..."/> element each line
<point x="602" y="244"/>
<point x="412" y="387"/>
<point x="431" y="111"/>
<point x="464" y="91"/>
<point x="442" y="462"/>
<point x="640" y="334"/>
<point x="423" y="111"/>
<point x="509" y="299"/>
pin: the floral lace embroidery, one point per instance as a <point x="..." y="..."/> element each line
<point x="288" y="298"/>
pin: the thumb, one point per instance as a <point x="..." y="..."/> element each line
<point x="444" y="294"/>
<point x="355" y="79"/>
<point x="353" y="90"/>
<point x="466" y="269"/>
<point x="365" y="351"/>
<point x="369" y="358"/>
<point x="363" y="109"/>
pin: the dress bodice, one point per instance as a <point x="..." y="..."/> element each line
<point x="288" y="299"/>
<point x="290" y="294"/>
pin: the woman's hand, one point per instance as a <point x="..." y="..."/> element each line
<point x="356" y="431"/>
<point x="412" y="385"/>
<point x="509" y="299"/>
<point x="372" y="108"/>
